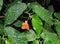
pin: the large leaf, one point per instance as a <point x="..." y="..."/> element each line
<point x="57" y="15"/>
<point x="37" y="24"/>
<point x="50" y="38"/>
<point x="1" y="29"/>
<point x="30" y="35"/>
<point x="35" y="42"/>
<point x="14" y="12"/>
<point x="42" y="12"/>
<point x="1" y="3"/>
<point x="14" y="36"/>
<point x="58" y="28"/>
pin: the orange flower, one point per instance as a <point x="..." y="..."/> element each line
<point x="25" y="25"/>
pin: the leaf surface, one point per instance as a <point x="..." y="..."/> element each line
<point x="50" y="38"/>
<point x="14" y="36"/>
<point x="37" y="24"/>
<point x="14" y="12"/>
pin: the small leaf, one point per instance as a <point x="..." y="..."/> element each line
<point x="30" y="35"/>
<point x="37" y="24"/>
<point x="1" y="3"/>
<point x="42" y="12"/>
<point x="35" y="42"/>
<point x="18" y="23"/>
<point x="57" y="15"/>
<point x="47" y="26"/>
<point x="50" y="38"/>
<point x="58" y="28"/>
<point x="14" y="12"/>
<point x="51" y="9"/>
<point x="14" y="36"/>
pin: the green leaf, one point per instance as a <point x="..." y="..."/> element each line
<point x="18" y="23"/>
<point x="37" y="24"/>
<point x="14" y="36"/>
<point x="7" y="41"/>
<point x="50" y="37"/>
<point x="30" y="35"/>
<point x="58" y="28"/>
<point x="14" y="12"/>
<point x="57" y="15"/>
<point x="42" y="12"/>
<point x="51" y="9"/>
<point x="48" y="42"/>
<point x="1" y="29"/>
<point x="1" y="3"/>
<point x="35" y="42"/>
<point x="47" y="26"/>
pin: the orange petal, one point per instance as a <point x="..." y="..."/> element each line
<point x="25" y="25"/>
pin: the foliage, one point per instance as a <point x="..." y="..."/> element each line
<point x="29" y="22"/>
